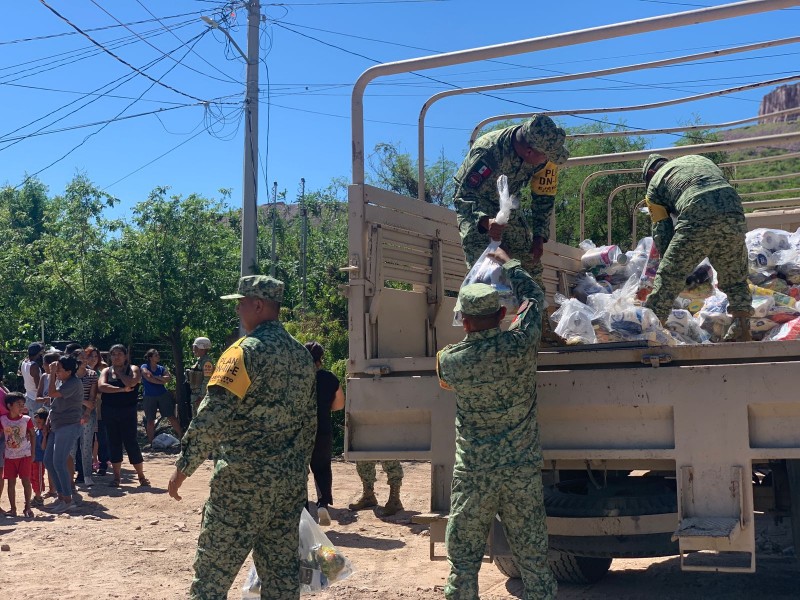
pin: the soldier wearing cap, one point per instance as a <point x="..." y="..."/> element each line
<point x="259" y="418"/>
<point x="498" y="456"/>
<point x="528" y="154"/>
<point x="708" y="222"/>
<point x="200" y="372"/>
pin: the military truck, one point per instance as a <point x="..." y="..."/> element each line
<point x="649" y="451"/>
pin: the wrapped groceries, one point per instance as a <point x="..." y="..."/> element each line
<point x="320" y="562"/>
<point x="615" y="284"/>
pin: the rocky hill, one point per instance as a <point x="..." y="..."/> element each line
<point x="782" y="98"/>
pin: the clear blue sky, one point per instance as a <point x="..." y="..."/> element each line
<point x="312" y="52"/>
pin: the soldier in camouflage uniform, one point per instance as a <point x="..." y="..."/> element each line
<point x="394" y="476"/>
<point x="709" y="222"/>
<point x="528" y="154"/>
<point x="498" y="456"/>
<point x="259" y="418"/>
<point x="200" y="372"/>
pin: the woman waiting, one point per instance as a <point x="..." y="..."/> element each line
<point x="100" y="448"/>
<point x="64" y="421"/>
<point x="119" y="385"/>
<point x="156" y="397"/>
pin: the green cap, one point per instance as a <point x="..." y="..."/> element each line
<point x="258" y="286"/>
<point x="649" y="163"/>
<point x="478" y="299"/>
<point x="542" y="133"/>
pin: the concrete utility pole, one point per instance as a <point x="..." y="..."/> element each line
<point x="273" y="257"/>
<point x="250" y="170"/>
<point x="250" y="176"/>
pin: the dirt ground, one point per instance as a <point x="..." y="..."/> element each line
<point x="137" y="543"/>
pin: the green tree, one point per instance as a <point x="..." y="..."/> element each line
<point x="396" y="171"/>
<point x="171" y="264"/>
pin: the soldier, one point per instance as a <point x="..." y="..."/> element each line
<point x="709" y="222"/>
<point x="498" y="455"/>
<point x="528" y="154"/>
<point x="259" y="418"/>
<point x="394" y="476"/>
<point x="200" y="372"/>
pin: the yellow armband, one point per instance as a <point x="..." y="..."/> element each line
<point x="657" y="212"/>
<point x="545" y="181"/>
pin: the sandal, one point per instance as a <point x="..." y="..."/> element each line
<point x="28" y="513"/>
<point x="144" y="482"/>
<point x="115" y="483"/>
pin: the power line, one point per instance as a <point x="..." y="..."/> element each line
<point x="120" y="59"/>
<point x="180" y="40"/>
<point x="68" y="33"/>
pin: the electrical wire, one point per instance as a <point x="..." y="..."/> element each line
<point x="120" y="59"/>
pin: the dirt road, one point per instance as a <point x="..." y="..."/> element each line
<point x="136" y="543"/>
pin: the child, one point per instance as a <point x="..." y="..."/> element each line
<point x="37" y="468"/>
<point x="20" y="441"/>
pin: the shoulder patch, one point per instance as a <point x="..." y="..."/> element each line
<point x="523" y="308"/>
<point x="545" y="181"/>
<point x="442" y="384"/>
<point x="208" y="368"/>
<point x="230" y="372"/>
<point x="479" y="173"/>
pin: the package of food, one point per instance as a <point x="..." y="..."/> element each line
<point x="787" y="331"/>
<point x="573" y="321"/>
<point x="321" y="563"/>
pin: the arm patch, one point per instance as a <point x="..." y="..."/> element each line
<point x="545" y="181"/>
<point x="479" y="173"/>
<point x="231" y="372"/>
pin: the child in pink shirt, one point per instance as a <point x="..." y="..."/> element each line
<point x="20" y="446"/>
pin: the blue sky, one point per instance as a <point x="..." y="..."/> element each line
<point x="312" y="52"/>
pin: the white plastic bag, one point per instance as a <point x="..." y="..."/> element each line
<point x="165" y="440"/>
<point x="486" y="269"/>
<point x="573" y="321"/>
<point x="320" y="562"/>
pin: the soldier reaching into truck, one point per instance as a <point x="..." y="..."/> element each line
<point x="498" y="456"/>
<point x="709" y="223"/>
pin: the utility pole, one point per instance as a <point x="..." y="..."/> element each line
<point x="250" y="175"/>
<point x="250" y="172"/>
<point x="303" y="240"/>
<point x="272" y="255"/>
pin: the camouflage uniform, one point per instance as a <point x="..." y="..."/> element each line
<point x="498" y="455"/>
<point x="710" y="223"/>
<point x="259" y="418"/>
<point x="197" y="376"/>
<point x="392" y="468"/>
<point x="476" y="195"/>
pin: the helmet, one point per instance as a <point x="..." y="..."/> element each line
<point x="651" y="161"/>
<point x="203" y="343"/>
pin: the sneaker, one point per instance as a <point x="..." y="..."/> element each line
<point x="79" y="479"/>
<point x="63" y="507"/>
<point x="102" y="471"/>
<point x="37" y="501"/>
<point x="88" y="481"/>
<point x="55" y="507"/>
<point x="323" y="516"/>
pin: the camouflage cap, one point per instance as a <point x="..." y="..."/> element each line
<point x="478" y="299"/>
<point x="542" y="133"/>
<point x="258" y="286"/>
<point x="648" y="164"/>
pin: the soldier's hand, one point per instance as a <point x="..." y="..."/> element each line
<point x="499" y="255"/>
<point x="496" y="230"/>
<point x="537" y="248"/>
<point x="175" y="483"/>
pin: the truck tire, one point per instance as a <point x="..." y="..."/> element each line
<point x="626" y="496"/>
<point x="567" y="568"/>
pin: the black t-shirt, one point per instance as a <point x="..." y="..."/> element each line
<point x="327" y="384"/>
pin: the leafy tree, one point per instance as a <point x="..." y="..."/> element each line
<point x="396" y="171"/>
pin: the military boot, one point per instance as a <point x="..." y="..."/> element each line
<point x="367" y="500"/>
<point x="739" y="330"/>
<point x="393" y="505"/>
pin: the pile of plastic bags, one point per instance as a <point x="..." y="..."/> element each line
<point x="606" y="302"/>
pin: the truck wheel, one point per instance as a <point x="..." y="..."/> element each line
<point x="567" y="568"/>
<point x="626" y="496"/>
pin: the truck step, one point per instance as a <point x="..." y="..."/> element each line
<point x="694" y="529"/>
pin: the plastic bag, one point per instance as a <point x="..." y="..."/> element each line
<point x="164" y="441"/>
<point x="486" y="269"/>
<point x="643" y="266"/>
<point x="713" y="317"/>
<point x="573" y="321"/>
<point x="586" y="285"/>
<point x="683" y="325"/>
<point x="320" y="562"/>
<point x="787" y="331"/>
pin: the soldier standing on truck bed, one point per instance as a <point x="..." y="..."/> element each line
<point x="709" y="222"/>
<point x="498" y="455"/>
<point x="528" y="154"/>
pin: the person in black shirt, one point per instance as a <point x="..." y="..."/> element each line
<point x="330" y="397"/>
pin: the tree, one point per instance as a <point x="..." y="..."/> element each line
<point x="171" y="265"/>
<point x="398" y="172"/>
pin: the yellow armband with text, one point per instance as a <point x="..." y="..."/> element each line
<point x="230" y="372"/>
<point x="657" y="212"/>
<point x="545" y="181"/>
